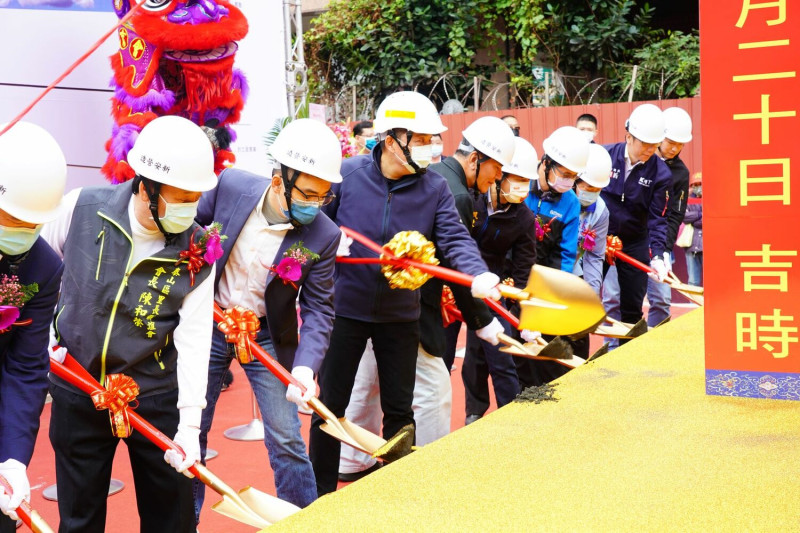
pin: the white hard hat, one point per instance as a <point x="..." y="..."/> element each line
<point x="174" y="151"/>
<point x="410" y="111"/>
<point x="492" y="137"/>
<point x="525" y="163"/>
<point x="309" y="146"/>
<point x="677" y="125"/>
<point x="569" y="147"/>
<point x="33" y="173"/>
<point x="646" y="123"/>
<point x="598" y="168"/>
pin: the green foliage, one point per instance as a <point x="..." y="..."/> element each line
<point x="384" y="45"/>
<point x="668" y="68"/>
<point x="593" y="36"/>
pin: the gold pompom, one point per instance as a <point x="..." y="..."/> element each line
<point x="409" y="245"/>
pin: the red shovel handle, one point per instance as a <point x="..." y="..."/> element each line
<point x="72" y="372"/>
<point x="259" y="353"/>
<point x="633" y="262"/>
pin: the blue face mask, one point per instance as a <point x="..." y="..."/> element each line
<point x="16" y="241"/>
<point x="302" y="212"/>
<point x="370" y="143"/>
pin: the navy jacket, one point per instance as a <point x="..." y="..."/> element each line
<point x="638" y="206"/>
<point x="231" y="203"/>
<point x="416" y="202"/>
<point x="24" y="357"/>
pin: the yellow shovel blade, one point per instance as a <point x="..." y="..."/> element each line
<point x="616" y="331"/>
<point x="227" y="507"/>
<point x="559" y="303"/>
<point x="268" y="507"/>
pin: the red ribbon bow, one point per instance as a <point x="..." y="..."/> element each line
<point x="237" y="325"/>
<point x="450" y="312"/>
<point x="120" y="391"/>
<point x="193" y="257"/>
<point x="613" y="245"/>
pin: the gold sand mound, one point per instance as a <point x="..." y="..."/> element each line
<point x="632" y="444"/>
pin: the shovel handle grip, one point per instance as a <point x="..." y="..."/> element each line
<point x="29" y="517"/>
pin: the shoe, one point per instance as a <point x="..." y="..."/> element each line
<point x="227" y="380"/>
<point x="355" y="476"/>
<point x="472" y="418"/>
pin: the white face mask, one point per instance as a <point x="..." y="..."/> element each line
<point x="588" y="134"/>
<point x="178" y="217"/>
<point x="437" y="149"/>
<point x="516" y="194"/>
<point x="421" y="155"/>
<point x="587" y="198"/>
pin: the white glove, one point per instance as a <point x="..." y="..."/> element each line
<point x="529" y="336"/>
<point x="660" y="269"/>
<point x="59" y="353"/>
<point x="668" y="261"/>
<point x="14" y="472"/>
<point x="305" y="376"/>
<point x="188" y="438"/>
<point x="485" y="286"/>
<point x="489" y="333"/>
<point x="344" y="245"/>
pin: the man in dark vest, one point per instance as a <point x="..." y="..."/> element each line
<point x="33" y="173"/>
<point x="131" y="304"/>
<point x="270" y="222"/>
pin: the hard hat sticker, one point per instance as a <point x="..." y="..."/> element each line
<point x="397" y="113"/>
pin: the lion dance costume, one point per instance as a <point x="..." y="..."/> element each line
<point x="176" y="58"/>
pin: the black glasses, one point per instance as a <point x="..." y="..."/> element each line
<point x="319" y="200"/>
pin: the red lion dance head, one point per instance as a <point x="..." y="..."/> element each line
<point x="176" y="58"/>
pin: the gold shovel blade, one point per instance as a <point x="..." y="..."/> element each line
<point x="530" y="347"/>
<point x="268" y="507"/>
<point x="353" y="435"/>
<point x="559" y="303"/>
<point x="616" y="331"/>
<point x="228" y="507"/>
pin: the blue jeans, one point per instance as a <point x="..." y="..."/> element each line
<point x="611" y="300"/>
<point x="694" y="266"/>
<point x="294" y="477"/>
<point x="660" y="297"/>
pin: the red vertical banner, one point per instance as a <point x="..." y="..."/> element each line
<point x="750" y="84"/>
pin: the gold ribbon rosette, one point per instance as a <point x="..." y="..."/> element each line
<point x="120" y="391"/>
<point x="239" y="324"/>
<point x="409" y="245"/>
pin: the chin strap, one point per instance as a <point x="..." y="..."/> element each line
<point x="153" y="190"/>
<point x="407" y="152"/>
<point x="481" y="159"/>
<point x="288" y="185"/>
<point x="549" y="194"/>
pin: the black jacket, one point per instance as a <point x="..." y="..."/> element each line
<point x="678" y="198"/>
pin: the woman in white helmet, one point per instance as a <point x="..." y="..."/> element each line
<point x="33" y="173"/>
<point x="270" y="221"/>
<point x="132" y="304"/>
<point x="593" y="227"/>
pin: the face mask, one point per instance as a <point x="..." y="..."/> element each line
<point x="516" y="194"/>
<point x="587" y="198"/>
<point x="588" y="134"/>
<point x="178" y="217"/>
<point x="437" y="149"/>
<point x="421" y="155"/>
<point x="302" y="212"/>
<point x="697" y="190"/>
<point x="561" y="185"/>
<point x="16" y="241"/>
<point x="370" y="143"/>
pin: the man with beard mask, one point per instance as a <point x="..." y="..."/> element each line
<point x="503" y="233"/>
<point x="130" y="304"/>
<point x="382" y="193"/>
<point x="268" y="221"/>
<point x="557" y="219"/>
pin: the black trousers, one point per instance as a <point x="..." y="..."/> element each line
<point x="533" y="373"/>
<point x="395" y="345"/>
<point x="7" y="525"/>
<point x="632" y="283"/>
<point x="84" y="450"/>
